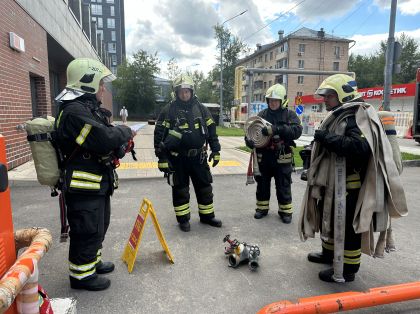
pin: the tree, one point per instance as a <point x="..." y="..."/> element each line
<point x="205" y="89"/>
<point x="135" y="85"/>
<point x="232" y="47"/>
<point x="370" y="69"/>
<point x="173" y="70"/>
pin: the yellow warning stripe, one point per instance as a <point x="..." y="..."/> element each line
<point x="154" y="165"/>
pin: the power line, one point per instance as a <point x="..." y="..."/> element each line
<point x="348" y="16"/>
<point x="275" y="19"/>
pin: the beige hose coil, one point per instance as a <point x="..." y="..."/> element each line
<point x="253" y="127"/>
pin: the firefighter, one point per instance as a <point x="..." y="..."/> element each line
<point x="90" y="146"/>
<point x="275" y="160"/>
<point x="337" y="90"/>
<point x="183" y="130"/>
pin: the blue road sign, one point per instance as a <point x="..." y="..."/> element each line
<point x="299" y="109"/>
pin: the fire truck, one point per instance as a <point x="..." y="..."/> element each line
<point x="416" y="111"/>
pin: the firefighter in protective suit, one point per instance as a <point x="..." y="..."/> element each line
<point x="275" y="160"/>
<point x="183" y="130"/>
<point x="337" y="90"/>
<point x="90" y="146"/>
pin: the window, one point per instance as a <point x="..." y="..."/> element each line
<point x="270" y="83"/>
<point x="100" y="32"/>
<point x="337" y="51"/>
<point x="113" y="36"/>
<point x="99" y="1"/>
<point x="265" y="58"/>
<point x="301" y="64"/>
<point x="111" y="23"/>
<point x="260" y="59"/>
<point x="114" y="70"/>
<point x="265" y="85"/>
<point x="300" y="79"/>
<point x="314" y="108"/>
<point x="112" y="47"/>
<point x="299" y="94"/>
<point x="112" y="9"/>
<point x="271" y="55"/>
<point x="114" y="59"/>
<point x="100" y="22"/>
<point x="109" y="1"/>
<point x="301" y="47"/>
<point x="96" y="9"/>
<point x="336" y="66"/>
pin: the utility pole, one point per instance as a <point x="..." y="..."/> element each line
<point x="221" y="67"/>
<point x="389" y="57"/>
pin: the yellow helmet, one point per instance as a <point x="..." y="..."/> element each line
<point x="343" y="85"/>
<point x="277" y="91"/>
<point x="183" y="81"/>
<point x="84" y="75"/>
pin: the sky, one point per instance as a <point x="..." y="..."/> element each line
<point x="184" y="29"/>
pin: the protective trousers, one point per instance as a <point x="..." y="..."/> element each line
<point x="198" y="170"/>
<point x="352" y="240"/>
<point x="282" y="173"/>
<point x="88" y="217"/>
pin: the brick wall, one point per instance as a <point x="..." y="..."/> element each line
<point x="16" y="68"/>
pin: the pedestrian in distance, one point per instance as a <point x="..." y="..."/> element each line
<point x="183" y="131"/>
<point x="90" y="146"/>
<point x="352" y="130"/>
<point x="275" y="159"/>
<point x="124" y="114"/>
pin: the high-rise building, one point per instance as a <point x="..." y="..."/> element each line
<point x="109" y="18"/>
<point x="38" y="40"/>
<point x="304" y="49"/>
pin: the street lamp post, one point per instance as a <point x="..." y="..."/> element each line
<point x="221" y="68"/>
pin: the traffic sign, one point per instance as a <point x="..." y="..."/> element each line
<point x="298" y="100"/>
<point x="299" y="109"/>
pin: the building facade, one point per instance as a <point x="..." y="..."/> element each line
<point x="305" y="49"/>
<point x="37" y="42"/>
<point x="109" y="18"/>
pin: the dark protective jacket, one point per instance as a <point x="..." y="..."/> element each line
<point x="88" y="143"/>
<point x="352" y="145"/>
<point x="183" y="126"/>
<point x="288" y="124"/>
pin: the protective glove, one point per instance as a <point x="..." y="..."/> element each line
<point x="267" y="131"/>
<point x="320" y="135"/>
<point x="164" y="165"/>
<point x="249" y="143"/>
<point x="215" y="156"/>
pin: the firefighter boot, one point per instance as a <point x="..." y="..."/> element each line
<point x="214" y="222"/>
<point x="260" y="214"/>
<point x="185" y="226"/>
<point x="93" y="283"/>
<point x="104" y="267"/>
<point x="319" y="258"/>
<point x="327" y="275"/>
<point x="285" y="217"/>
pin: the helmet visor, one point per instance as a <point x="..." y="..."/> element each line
<point x="109" y="78"/>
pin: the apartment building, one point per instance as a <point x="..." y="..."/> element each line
<point x="109" y="18"/>
<point x="304" y="49"/>
<point x="38" y="40"/>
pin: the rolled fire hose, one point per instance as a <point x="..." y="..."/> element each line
<point x="253" y="127"/>
<point x="38" y="241"/>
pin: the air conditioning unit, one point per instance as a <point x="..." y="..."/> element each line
<point x="300" y="53"/>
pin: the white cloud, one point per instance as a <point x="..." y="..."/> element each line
<point x="184" y="29"/>
<point x="369" y="44"/>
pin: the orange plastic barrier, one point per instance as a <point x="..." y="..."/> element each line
<point x="346" y="301"/>
<point x="7" y="241"/>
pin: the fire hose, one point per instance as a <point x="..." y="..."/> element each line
<point x="253" y="127"/>
<point x="21" y="277"/>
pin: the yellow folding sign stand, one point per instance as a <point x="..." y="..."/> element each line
<point x="130" y="251"/>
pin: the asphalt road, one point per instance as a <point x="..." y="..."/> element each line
<point x="200" y="281"/>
